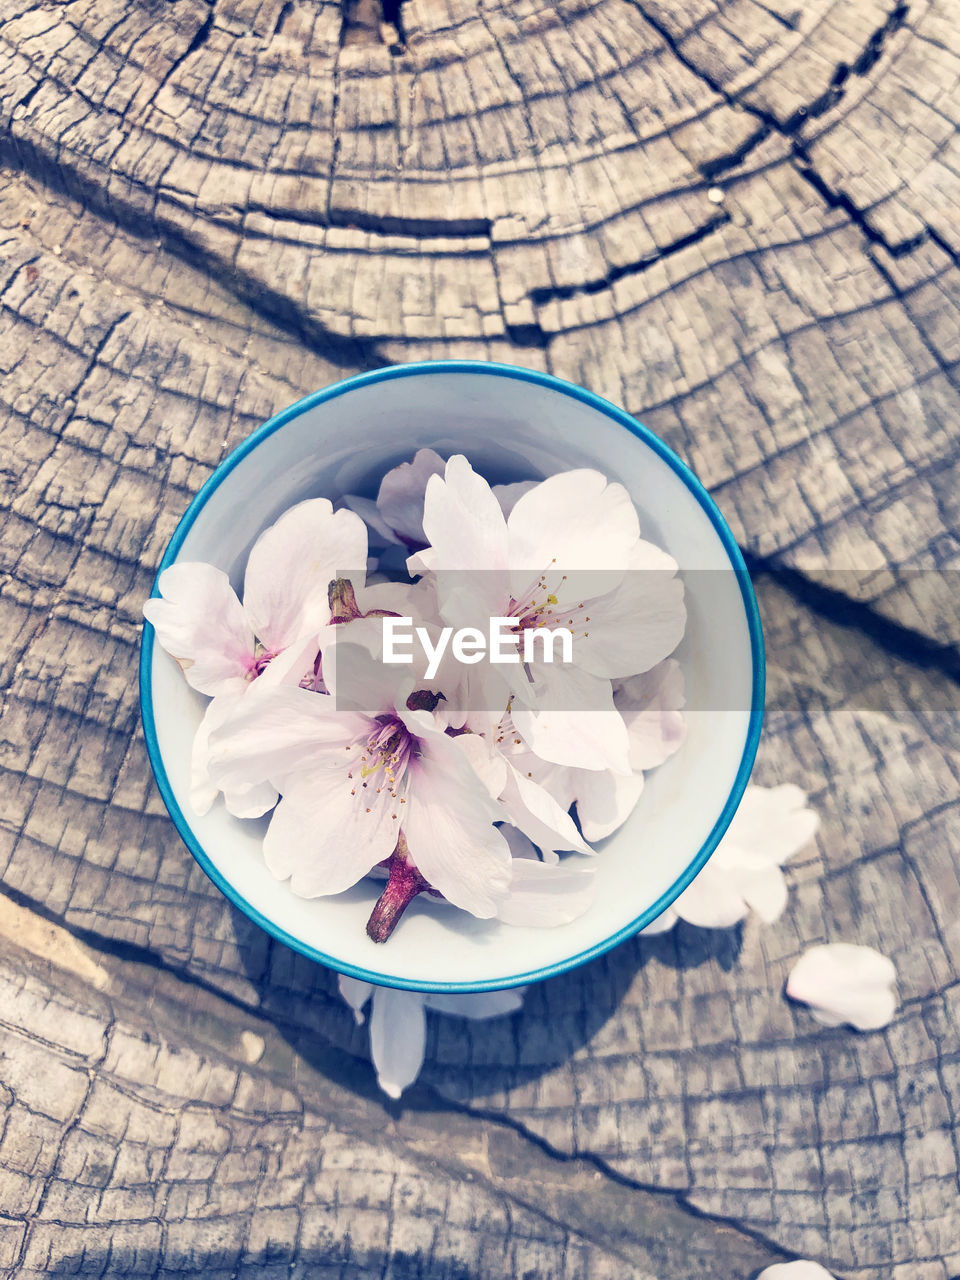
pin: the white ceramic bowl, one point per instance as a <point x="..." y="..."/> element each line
<point x="512" y="424"/>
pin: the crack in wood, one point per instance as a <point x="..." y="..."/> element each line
<point x="582" y="1195"/>
<point x="733" y="159"/>
<point x="840" y="200"/>
<point x="393" y="17"/>
<point x="841" y="608"/>
<point x="28" y="97"/>
<point x="198" y="40"/>
<point x="127" y="952"/>
<point x="371" y="22"/>
<point x="792" y="126"/>
<point x="415" y="228"/>
<point x="271" y="303"/>
<point x="532" y="335"/>
<point x="285" y="11"/>
<point x="616" y="1178"/>
<point x="556" y="293"/>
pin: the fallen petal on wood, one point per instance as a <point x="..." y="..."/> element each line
<point x="798" y="1270"/>
<point x="770" y="826"/>
<point x="398" y="1023"/>
<point x="842" y="982"/>
<point x="663" y="923"/>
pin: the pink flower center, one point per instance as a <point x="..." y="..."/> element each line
<point x="389" y="748"/>
<point x="539" y="607"/>
<point x="258" y="661"/>
<point x="261" y="662"/>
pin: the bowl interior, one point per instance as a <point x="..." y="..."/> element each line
<point x="511" y="425"/>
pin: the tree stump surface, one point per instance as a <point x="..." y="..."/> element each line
<point x="739" y="221"/>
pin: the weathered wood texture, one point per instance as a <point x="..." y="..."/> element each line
<point x="740" y="221"/>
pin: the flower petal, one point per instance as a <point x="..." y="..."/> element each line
<point x="243" y="802"/>
<point x="605" y="800"/>
<point x="508" y="495"/>
<point x="575" y="722"/>
<point x="559" y="779"/>
<point x="463" y="521"/>
<point x="201" y="623"/>
<point x="532" y="809"/>
<point x="294" y="664"/>
<point x="448" y="824"/>
<point x="291" y="566"/>
<point x="522" y="846"/>
<point x="843" y="982"/>
<point x="279" y="735"/>
<point x="401" y="495"/>
<point x="327" y="831"/>
<point x="479" y="696"/>
<point x="711" y="901"/>
<point x="352" y="670"/>
<point x="637" y="623"/>
<point x="663" y="923"/>
<point x="203" y="792"/>
<point x="650" y="705"/>
<point x="415" y="598"/>
<point x="478" y="1005"/>
<point x="799" y="1270"/>
<point x="765" y="892"/>
<point x="543" y="896"/>
<point x="466" y="530"/>
<point x="252" y="803"/>
<point x="398" y="1037"/>
<point x="356" y="993"/>
<point x="772" y="823"/>
<point x="487" y="764"/>
<point x="576" y="520"/>
<point x="369" y="513"/>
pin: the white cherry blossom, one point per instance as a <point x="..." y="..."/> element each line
<point x="507" y="768"/>
<point x="398" y="1025"/>
<point x="223" y="646"/>
<point x="361" y="787"/>
<point x="567" y="537"/>
<point x="843" y="982"/>
<point x="537" y="795"/>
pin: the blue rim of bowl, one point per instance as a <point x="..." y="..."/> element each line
<point x="750" y="608"/>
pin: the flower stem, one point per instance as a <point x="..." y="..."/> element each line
<point x="404" y="882"/>
<point x="343" y="601"/>
<point x="424" y="700"/>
